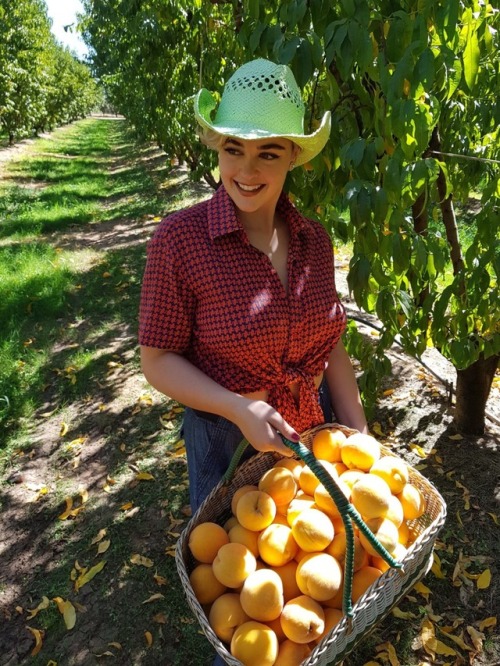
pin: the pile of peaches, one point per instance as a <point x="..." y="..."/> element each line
<point x="270" y="580"/>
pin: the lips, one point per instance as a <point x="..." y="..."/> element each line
<point x="248" y="189"/>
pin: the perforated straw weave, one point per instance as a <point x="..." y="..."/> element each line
<point x="262" y="100"/>
<point x="377" y="601"/>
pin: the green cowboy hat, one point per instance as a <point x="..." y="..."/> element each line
<point x="262" y="100"/>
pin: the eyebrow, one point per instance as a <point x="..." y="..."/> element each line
<point x="267" y="146"/>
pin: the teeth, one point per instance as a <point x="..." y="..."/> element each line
<point x="249" y="188"/>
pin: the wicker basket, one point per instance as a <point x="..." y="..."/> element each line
<point x="377" y="601"/>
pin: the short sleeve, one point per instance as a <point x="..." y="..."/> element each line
<point x="166" y="315"/>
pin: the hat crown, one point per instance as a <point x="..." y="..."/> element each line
<point x="265" y="96"/>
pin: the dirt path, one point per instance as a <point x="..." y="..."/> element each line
<point x="413" y="417"/>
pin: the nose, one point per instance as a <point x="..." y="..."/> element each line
<point x="249" y="165"/>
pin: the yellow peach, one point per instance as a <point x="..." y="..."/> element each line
<point x="326" y="503"/>
<point x="303" y="619"/>
<point x="413" y="502"/>
<point x="384" y="530"/>
<point x="295" y="466"/>
<point x="312" y="530"/>
<point x="360" y="451"/>
<point x="393" y="470"/>
<point x="225" y="615"/>
<point x="255" y="510"/>
<point x="298" y="505"/>
<point x="255" y="644"/>
<point x="249" y="538"/>
<point x="371" y="496"/>
<point x="292" y="654"/>
<point x="362" y="580"/>
<point x="327" y="443"/>
<point x="233" y="563"/>
<point x="206" y="586"/>
<point x="319" y="575"/>
<point x="276" y="545"/>
<point x="288" y="575"/>
<point x="262" y="595"/>
<point x="239" y="493"/>
<point x="205" y="540"/>
<point x="279" y="483"/>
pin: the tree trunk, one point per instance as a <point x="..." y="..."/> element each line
<point x="421" y="225"/>
<point x="447" y="210"/>
<point x="473" y="388"/>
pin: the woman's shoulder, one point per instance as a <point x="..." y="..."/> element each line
<point x="183" y="223"/>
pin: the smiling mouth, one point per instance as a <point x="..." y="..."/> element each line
<point x="248" y="189"/>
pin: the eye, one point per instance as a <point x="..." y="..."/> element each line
<point x="230" y="150"/>
<point x="269" y="156"/>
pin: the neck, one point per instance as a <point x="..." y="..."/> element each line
<point x="258" y="221"/>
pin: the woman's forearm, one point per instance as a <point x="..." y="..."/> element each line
<point x="176" y="377"/>
<point x="179" y="379"/>
<point x="346" y="401"/>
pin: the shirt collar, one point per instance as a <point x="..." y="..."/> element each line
<point x="222" y="218"/>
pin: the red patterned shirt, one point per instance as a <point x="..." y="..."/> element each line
<point x="211" y="296"/>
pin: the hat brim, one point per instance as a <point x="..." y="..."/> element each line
<point x="310" y="144"/>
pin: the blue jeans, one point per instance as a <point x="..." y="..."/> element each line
<point x="210" y="445"/>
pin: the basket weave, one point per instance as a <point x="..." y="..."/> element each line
<point x="377" y="601"/>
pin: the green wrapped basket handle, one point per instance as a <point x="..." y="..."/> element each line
<point x="347" y="512"/>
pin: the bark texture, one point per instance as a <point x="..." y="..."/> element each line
<point x="473" y="388"/>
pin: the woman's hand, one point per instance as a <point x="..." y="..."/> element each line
<point x="260" y="424"/>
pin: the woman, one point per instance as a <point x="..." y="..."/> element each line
<point x="240" y="320"/>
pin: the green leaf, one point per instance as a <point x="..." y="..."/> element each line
<point x="471" y="57"/>
<point x="359" y="273"/>
<point x="252" y="8"/>
<point x="303" y="63"/>
<point x="255" y="37"/>
<point x="288" y="50"/>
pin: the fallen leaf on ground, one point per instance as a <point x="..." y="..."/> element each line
<point x="403" y="615"/>
<point x="160" y="580"/>
<point x="86" y="577"/>
<point x="44" y="603"/>
<point x="154" y="597"/>
<point x="103" y="546"/>
<point x="477" y="638"/>
<point x="118" y="646"/>
<point x="436" y="567"/>
<point x="149" y="638"/>
<point x="160" y="618"/>
<point x="145" y="476"/>
<point x="69" y="511"/>
<point x="423" y="590"/>
<point x="419" y="450"/>
<point x="100" y="536"/>
<point x="391" y="653"/>
<point x="487" y="622"/>
<point x="38" y="635"/>
<point x="64" y="429"/>
<point x="456" y="639"/>
<point x="67" y="610"/>
<point x="140" y="560"/>
<point x="484" y="580"/>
